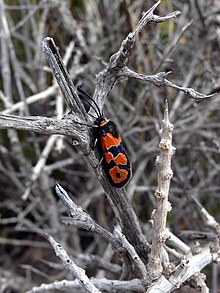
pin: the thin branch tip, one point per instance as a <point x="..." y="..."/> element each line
<point x="48" y="39"/>
<point x="57" y="184"/>
<point x="44" y="43"/>
<point x="46" y="234"/>
<point x="168" y="72"/>
<point x="155" y="5"/>
<point x="177" y="13"/>
<point x="166" y="111"/>
<point x="58" y="187"/>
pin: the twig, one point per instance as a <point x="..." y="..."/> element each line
<point x="103" y="284"/>
<point x="32" y="99"/>
<point x="63" y="78"/>
<point x="38" y="272"/>
<point x="135" y="258"/>
<point x="14" y="62"/>
<point x="106" y="79"/>
<point x="37" y="170"/>
<point x="23" y="243"/>
<point x="103" y="262"/>
<point x="207" y="218"/>
<point x="177" y="243"/>
<point x="175" y="41"/>
<point x="8" y="55"/>
<point x="78" y="272"/>
<point x="198" y="235"/>
<point x="162" y="205"/>
<point x="43" y="125"/>
<point x="159" y="79"/>
<point x="201" y="17"/>
<point x="79" y="218"/>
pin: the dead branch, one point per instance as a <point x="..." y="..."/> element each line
<point x="134" y="285"/>
<point x="162" y="205"/>
<point x="79" y="273"/>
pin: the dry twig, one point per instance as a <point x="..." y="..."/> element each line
<point x="162" y="204"/>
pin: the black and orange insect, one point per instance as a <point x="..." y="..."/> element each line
<point x="114" y="157"/>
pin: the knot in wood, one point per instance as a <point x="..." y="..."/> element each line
<point x="46" y="123"/>
<point x="159" y="194"/>
<point x="196" y="249"/>
<point x="163" y="237"/>
<point x="198" y="279"/>
<point x="170" y="127"/>
<point x="214" y="247"/>
<point x="155" y="262"/>
<point x="170" y="268"/>
<point x="75" y="142"/>
<point x="117" y="244"/>
<point x="164" y="145"/>
<point x="131" y="39"/>
<point x="184" y="263"/>
<point x="168" y="175"/>
<point x="157" y="160"/>
<point x="217" y="228"/>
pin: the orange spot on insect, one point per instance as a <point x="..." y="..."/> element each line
<point x="108" y="157"/>
<point x="120" y="159"/>
<point x="109" y="140"/>
<point x="118" y="175"/>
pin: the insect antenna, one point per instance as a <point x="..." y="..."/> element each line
<point x="85" y="95"/>
<point x="90" y="104"/>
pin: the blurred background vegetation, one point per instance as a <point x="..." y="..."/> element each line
<point x="87" y="33"/>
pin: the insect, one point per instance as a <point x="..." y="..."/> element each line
<point x="114" y="157"/>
